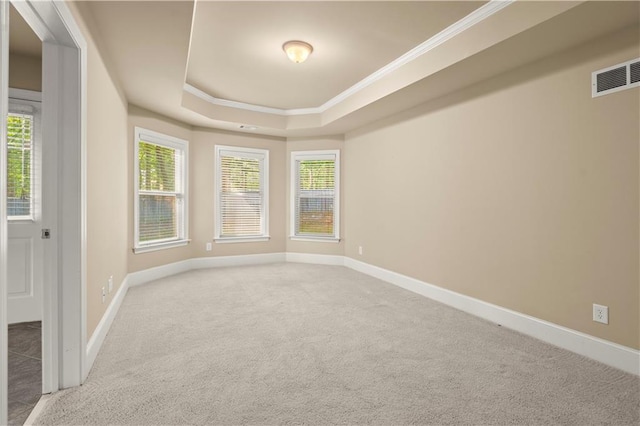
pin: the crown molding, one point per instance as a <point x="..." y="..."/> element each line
<point x="474" y="18"/>
<point x="245" y="106"/>
<point x="469" y="21"/>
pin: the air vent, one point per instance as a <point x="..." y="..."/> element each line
<point x="608" y="80"/>
<point x="618" y="77"/>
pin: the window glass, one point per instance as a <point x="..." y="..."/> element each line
<point x="315" y="194"/>
<point x="241" y="193"/>
<point x="19" y="166"/>
<point x="161" y="189"/>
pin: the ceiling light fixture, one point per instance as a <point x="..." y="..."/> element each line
<point x="297" y="51"/>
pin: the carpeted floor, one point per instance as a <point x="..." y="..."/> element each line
<point x="293" y="343"/>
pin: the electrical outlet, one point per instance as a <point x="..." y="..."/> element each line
<point x="110" y="283"/>
<point x="601" y="314"/>
<point x="360" y="250"/>
<point x="208" y="247"/>
<point x="104" y="295"/>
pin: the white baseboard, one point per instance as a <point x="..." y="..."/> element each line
<point x="98" y="336"/>
<point x="152" y="274"/>
<point x="248" y="259"/>
<point x="40" y="405"/>
<point x="318" y="259"/>
<point x="609" y="353"/>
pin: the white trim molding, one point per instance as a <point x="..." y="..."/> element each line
<point x="261" y="156"/>
<point x="4" y="110"/>
<point x="64" y="106"/>
<point x="98" y="336"/>
<point x="25" y="95"/>
<point x="317" y="259"/>
<point x="180" y="192"/>
<point x="245" y="106"/>
<point x="469" y="21"/>
<point x="248" y="259"/>
<point x="601" y="350"/>
<point x="297" y="157"/>
<point x="158" y="272"/>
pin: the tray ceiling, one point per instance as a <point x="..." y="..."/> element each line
<point x="220" y="64"/>
<point x="236" y="48"/>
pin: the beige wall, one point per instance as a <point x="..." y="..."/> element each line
<point x="521" y="191"/>
<point x="25" y="72"/>
<point x="107" y="182"/>
<point x="336" y="142"/>
<point x="202" y="189"/>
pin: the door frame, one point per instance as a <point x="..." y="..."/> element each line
<point x="64" y="71"/>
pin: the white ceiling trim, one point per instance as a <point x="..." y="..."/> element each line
<point x="475" y="17"/>
<point x="249" y="107"/>
<point x="448" y="33"/>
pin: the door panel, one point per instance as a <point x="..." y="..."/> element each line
<point x="20" y="259"/>
<point x="24" y="276"/>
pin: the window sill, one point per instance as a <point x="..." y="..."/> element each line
<point x="20" y="219"/>
<point x="316" y="239"/>
<point x="160" y="246"/>
<point x="241" y="240"/>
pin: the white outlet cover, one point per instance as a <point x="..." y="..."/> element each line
<point x="601" y="313"/>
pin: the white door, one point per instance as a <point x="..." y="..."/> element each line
<point x="24" y="210"/>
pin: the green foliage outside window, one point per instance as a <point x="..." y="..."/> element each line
<point x="157" y="165"/>
<point x="19" y="135"/>
<point x="240" y="174"/>
<point x="157" y="175"/>
<point x="316" y="188"/>
<point x="317" y="174"/>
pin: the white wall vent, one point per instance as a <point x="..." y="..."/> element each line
<point x="618" y="77"/>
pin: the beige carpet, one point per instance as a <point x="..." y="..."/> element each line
<point x="292" y="344"/>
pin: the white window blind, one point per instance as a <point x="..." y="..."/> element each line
<point x="161" y="189"/>
<point x="315" y="200"/>
<point x="241" y="193"/>
<point x="20" y="136"/>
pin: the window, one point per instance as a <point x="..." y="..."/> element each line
<point x="242" y="195"/>
<point x="315" y="198"/>
<point x="161" y="191"/>
<point x="21" y="144"/>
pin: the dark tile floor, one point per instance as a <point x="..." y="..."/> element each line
<point x="25" y="369"/>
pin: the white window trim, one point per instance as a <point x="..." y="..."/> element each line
<point x="260" y="154"/>
<point x="29" y="102"/>
<point x="332" y="154"/>
<point x="316" y="239"/>
<point x="146" y="135"/>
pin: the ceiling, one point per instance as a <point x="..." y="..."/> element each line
<point x="220" y="64"/>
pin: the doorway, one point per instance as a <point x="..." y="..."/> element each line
<point x="63" y="192"/>
<point x="25" y="255"/>
<point x="24" y="214"/>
